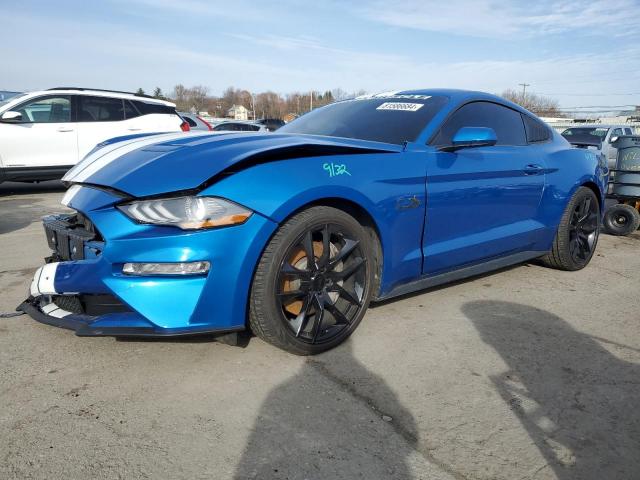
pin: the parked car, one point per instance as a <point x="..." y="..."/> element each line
<point x="606" y="134"/>
<point x="272" y="124"/>
<point x="196" y="122"/>
<point x="44" y="133"/>
<point x="5" y="95"/>
<point x="292" y="235"/>
<point x="239" y="126"/>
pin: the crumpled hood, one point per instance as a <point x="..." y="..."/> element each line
<point x="172" y="162"/>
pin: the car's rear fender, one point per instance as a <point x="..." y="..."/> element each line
<point x="567" y="170"/>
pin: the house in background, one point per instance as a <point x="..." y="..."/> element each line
<point x="238" y="112"/>
<point x="289" y="117"/>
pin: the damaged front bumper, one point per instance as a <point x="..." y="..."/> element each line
<point x="83" y="286"/>
<point x="44" y="310"/>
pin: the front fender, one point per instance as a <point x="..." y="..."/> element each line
<point x="375" y="182"/>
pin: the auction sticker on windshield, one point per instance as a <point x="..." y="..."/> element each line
<point x="405" y="107"/>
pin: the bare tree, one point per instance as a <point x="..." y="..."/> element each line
<point x="197" y="97"/>
<point x="179" y="97"/>
<point x="339" y="94"/>
<point x="538" y="104"/>
<point x="265" y="104"/>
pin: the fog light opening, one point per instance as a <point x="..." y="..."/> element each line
<point x="178" y="268"/>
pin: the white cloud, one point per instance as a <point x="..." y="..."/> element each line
<point x="108" y="55"/>
<point x="240" y="11"/>
<point x="499" y="19"/>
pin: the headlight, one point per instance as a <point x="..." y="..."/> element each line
<point x="187" y="213"/>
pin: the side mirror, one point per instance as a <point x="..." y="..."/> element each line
<point x="11" y="117"/>
<point x="613" y="139"/>
<point x="469" y="137"/>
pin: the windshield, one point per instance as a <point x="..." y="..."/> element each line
<point x="600" y="132"/>
<point x="5" y="97"/>
<point x="381" y="118"/>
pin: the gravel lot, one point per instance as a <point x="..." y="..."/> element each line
<point x="526" y="373"/>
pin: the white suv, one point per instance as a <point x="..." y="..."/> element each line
<point x="43" y="134"/>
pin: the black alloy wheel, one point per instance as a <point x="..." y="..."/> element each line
<point x="321" y="283"/>
<point x="313" y="282"/>
<point x="577" y="235"/>
<point x="583" y="230"/>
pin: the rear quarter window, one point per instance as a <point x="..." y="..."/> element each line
<point x="146" y="108"/>
<point x="191" y="123"/>
<point x="536" y="130"/>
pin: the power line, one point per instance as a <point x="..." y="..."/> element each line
<point x="524" y="88"/>
<point x="604" y="79"/>
<point x="588" y="94"/>
<point x="598" y="106"/>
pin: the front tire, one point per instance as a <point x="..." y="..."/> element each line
<point x="577" y="234"/>
<point x="313" y="283"/>
<point x="621" y="220"/>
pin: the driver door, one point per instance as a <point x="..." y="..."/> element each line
<point x="482" y="202"/>
<point x="45" y="135"/>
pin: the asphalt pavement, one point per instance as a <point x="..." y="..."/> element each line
<point x="526" y="373"/>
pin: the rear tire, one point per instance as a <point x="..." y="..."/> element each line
<point x="577" y="234"/>
<point x="307" y="307"/>
<point x="621" y="220"/>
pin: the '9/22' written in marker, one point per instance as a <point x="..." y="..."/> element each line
<point x="336" y="169"/>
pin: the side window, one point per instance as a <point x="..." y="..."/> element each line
<point x="100" y="109"/>
<point x="232" y="127"/>
<point x="145" y="108"/>
<point x="130" y="110"/>
<point x="628" y="131"/>
<point x="51" y="109"/>
<point x="191" y="123"/>
<point x="616" y="132"/>
<point x="507" y="123"/>
<point x="536" y="130"/>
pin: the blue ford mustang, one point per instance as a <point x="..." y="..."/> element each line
<point x="292" y="234"/>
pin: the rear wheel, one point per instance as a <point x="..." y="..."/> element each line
<point x="577" y="234"/>
<point x="621" y="219"/>
<point x="313" y="282"/>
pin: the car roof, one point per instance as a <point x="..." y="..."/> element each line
<point x="243" y="122"/>
<point x="600" y="125"/>
<point x="460" y="96"/>
<point x="101" y="93"/>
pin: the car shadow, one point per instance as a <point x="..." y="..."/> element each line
<point x="321" y="425"/>
<point x="18" y="213"/>
<point x="21" y="188"/>
<point x="577" y="401"/>
<point x="240" y="339"/>
<point x="380" y="303"/>
<point x="19" y="210"/>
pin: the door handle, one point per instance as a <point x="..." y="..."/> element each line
<point x="134" y="129"/>
<point x="533" y="169"/>
<point x="65" y="129"/>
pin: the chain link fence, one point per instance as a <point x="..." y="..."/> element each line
<point x="560" y="127"/>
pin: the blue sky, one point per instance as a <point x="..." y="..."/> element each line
<point x="583" y="53"/>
